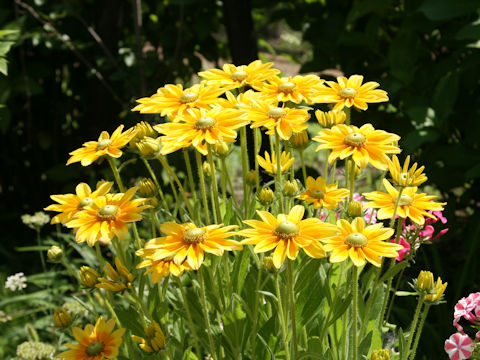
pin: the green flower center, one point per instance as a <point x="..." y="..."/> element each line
<point x="95" y="348"/>
<point x="103" y="144"/>
<point x="286" y="230"/>
<point x="276" y="113"/>
<point x="205" y="123"/>
<point x="317" y="194"/>
<point x="348" y="93"/>
<point x="287" y="87"/>
<point x="405" y="200"/>
<point x="194" y="236"/>
<point x="239" y="75"/>
<point x="355" y="139"/>
<point x="108" y="212"/>
<point x="188" y="97"/>
<point x="85" y="202"/>
<point x="356" y="240"/>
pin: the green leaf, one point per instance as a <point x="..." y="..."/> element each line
<point x="3" y="66"/>
<point x="405" y="293"/>
<point x="365" y="344"/>
<point x="32" y="248"/>
<point x="445" y="9"/>
<point x="445" y="95"/>
<point x="5" y="47"/>
<point x="390" y="273"/>
<point x="9" y="32"/>
<point x="401" y="344"/>
<point x="129" y="319"/>
<point x="240" y="269"/>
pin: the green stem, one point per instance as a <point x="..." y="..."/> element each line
<point x="282" y="317"/>
<point x="229" y="181"/>
<point x="42" y="258"/>
<point x="157" y="185"/>
<point x="355" y="311"/>
<point x="397" y="285"/>
<point x="255" y="309"/>
<point x="352" y="179"/>
<point x="100" y="258"/>
<point x="256" y="147"/>
<point x="279" y="185"/>
<point x="203" y="190"/>
<point x="395" y="209"/>
<point x="190" y="174"/>
<point x="348" y="115"/>
<point x="243" y="144"/>
<point x="290" y="284"/>
<point x="304" y="169"/>
<point x="419" y="331"/>
<point x="205" y="313"/>
<point x="214" y="184"/>
<point x="325" y="172"/>
<point x="421" y="299"/>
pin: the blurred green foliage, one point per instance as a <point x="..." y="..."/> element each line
<point x="75" y="68"/>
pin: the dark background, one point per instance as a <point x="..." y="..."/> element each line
<point x="76" y="67"/>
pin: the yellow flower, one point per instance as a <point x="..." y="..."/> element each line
<point x="405" y="176"/>
<point x="232" y="76"/>
<point x="173" y="100"/>
<point x="365" y="144"/>
<point x="70" y="204"/>
<point x="160" y="268"/>
<point x="437" y="292"/>
<point x="270" y="163"/>
<point x="295" y="89"/>
<point x="350" y="92"/>
<point x="424" y="282"/>
<point x="240" y="102"/>
<point x="106" y="145"/>
<point x="287" y="233"/>
<point x="412" y="205"/>
<point x="95" y="343"/>
<point x="201" y="127"/>
<point x="62" y="318"/>
<point x="117" y="280"/>
<point x="188" y="243"/>
<point x="155" y="338"/>
<point x="107" y="216"/>
<point x="321" y="194"/>
<point x="283" y="120"/>
<point x="360" y="243"/>
<point x="331" y="118"/>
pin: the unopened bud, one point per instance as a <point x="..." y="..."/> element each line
<point x="88" y="277"/>
<point x="381" y="354"/>
<point x="149" y="146"/>
<point x="425" y="282"/>
<point x="268" y="264"/>
<point x="62" y="318"/>
<point x="153" y="202"/>
<point x="55" y="254"/>
<point x="290" y="188"/>
<point x="207" y="169"/>
<point x="147" y="188"/>
<point x="354" y="209"/>
<point x="251" y="177"/>
<point x="221" y="148"/>
<point x="266" y="196"/>
<point x="299" y="140"/>
<point x="331" y="118"/>
<point x="142" y="129"/>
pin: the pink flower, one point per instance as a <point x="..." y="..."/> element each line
<point x="459" y="347"/>
<point x="406" y="248"/>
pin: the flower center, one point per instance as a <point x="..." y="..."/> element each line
<point x="317" y="194"/>
<point x="356" y="240"/>
<point x="188" y="97"/>
<point x="404" y="176"/>
<point x="95" y="348"/>
<point x="84" y="202"/>
<point x="108" y="212"/>
<point x="239" y="75"/>
<point x="276" y="113"/>
<point x="103" y="144"/>
<point x="355" y="139"/>
<point x="405" y="200"/>
<point x="287" y="87"/>
<point x="205" y="123"/>
<point x="286" y="230"/>
<point x="348" y="93"/>
<point x="194" y="236"/>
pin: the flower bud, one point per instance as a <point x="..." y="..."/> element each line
<point x="299" y="140"/>
<point x="54" y="254"/>
<point x="381" y="354"/>
<point x="354" y="209"/>
<point x="251" y="177"/>
<point x="207" y="170"/>
<point x="266" y="196"/>
<point x="268" y="264"/>
<point x="221" y="148"/>
<point x="290" y="188"/>
<point x="424" y="282"/>
<point x="147" y="188"/>
<point x="88" y="277"/>
<point x="62" y="318"/>
<point x="437" y="293"/>
<point x="155" y="338"/>
<point x="331" y="118"/>
<point x="142" y="129"/>
<point x="148" y="146"/>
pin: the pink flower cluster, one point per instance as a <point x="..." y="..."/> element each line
<point x="460" y="346"/>
<point x="428" y="230"/>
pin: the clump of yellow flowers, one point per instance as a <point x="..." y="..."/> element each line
<point x="234" y="246"/>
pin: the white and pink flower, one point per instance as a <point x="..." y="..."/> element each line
<point x="459" y="347"/>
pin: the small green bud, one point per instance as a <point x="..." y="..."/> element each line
<point x="381" y="354"/>
<point x="88" y="276"/>
<point x="251" y="177"/>
<point x="62" y="318"/>
<point x="147" y="188"/>
<point x="299" y="140"/>
<point x="290" y="188"/>
<point x="354" y="209"/>
<point x="266" y="196"/>
<point x="425" y="282"/>
<point x="268" y="264"/>
<point x="54" y="254"/>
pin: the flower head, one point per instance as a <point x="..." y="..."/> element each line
<point x="412" y="205"/>
<point x="117" y="280"/>
<point x="160" y="268"/>
<point x="232" y="76"/>
<point x="361" y="243"/>
<point x="36" y="221"/>
<point x="295" y="89"/>
<point x="350" y="92"/>
<point x="188" y="243"/>
<point x="437" y="292"/>
<point x="365" y="144"/>
<point x="331" y="118"/>
<point x="173" y="100"/>
<point x="16" y="282"/>
<point x="106" y="145"/>
<point x="88" y="276"/>
<point x="95" y="342"/>
<point x="269" y="163"/>
<point x="287" y="233"/>
<point x="70" y="204"/>
<point x="459" y="347"/>
<point x="321" y="194"/>
<point x="62" y="318"/>
<point x="107" y="216"/>
<point x="155" y="338"/>
<point x="201" y="127"/>
<point x="403" y="176"/>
